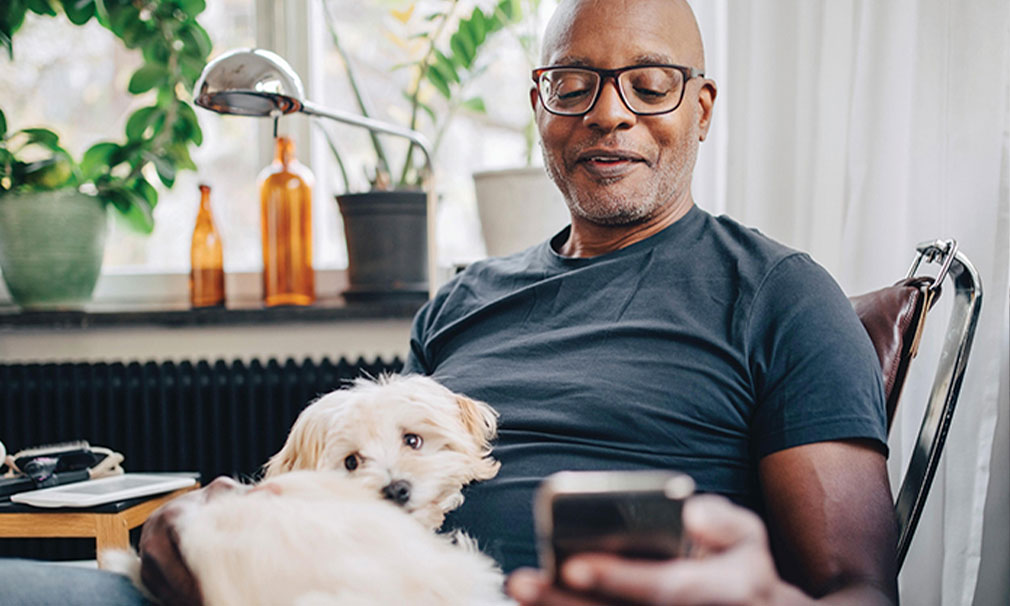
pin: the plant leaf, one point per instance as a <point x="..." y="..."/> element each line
<point x="138" y="33"/>
<point x="180" y="155"/>
<point x="192" y="7"/>
<point x="79" y="11"/>
<point x="124" y="153"/>
<point x="155" y="53"/>
<point x="164" y="166"/>
<point x="41" y="7"/>
<point x="435" y="78"/>
<point x="147" y="191"/>
<point x="11" y="18"/>
<point x="121" y="16"/>
<point x="475" y="104"/>
<point x="475" y="25"/>
<point x="146" y="78"/>
<point x="3" y="125"/>
<point x="139" y="215"/>
<point x="5" y="41"/>
<point x="197" y="42"/>
<point x="96" y="159"/>
<point x="49" y="174"/>
<point x="188" y="117"/>
<point x="445" y="67"/>
<point x="42" y="136"/>
<point x="139" y="121"/>
<point x="133" y="206"/>
<point x="462" y="48"/>
<point x="509" y="8"/>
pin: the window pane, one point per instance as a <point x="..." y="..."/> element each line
<point x="73" y="80"/>
<point x="377" y="42"/>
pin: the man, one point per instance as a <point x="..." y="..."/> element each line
<point x="650" y="334"/>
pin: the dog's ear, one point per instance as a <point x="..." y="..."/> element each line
<point x="481" y="423"/>
<point x="304" y="446"/>
<point x="479" y="419"/>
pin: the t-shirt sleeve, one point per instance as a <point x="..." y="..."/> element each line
<point x="815" y="372"/>
<point x="417" y="358"/>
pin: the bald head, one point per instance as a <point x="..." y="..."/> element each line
<point x="677" y="16"/>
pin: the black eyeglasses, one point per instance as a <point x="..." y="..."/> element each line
<point x="646" y="90"/>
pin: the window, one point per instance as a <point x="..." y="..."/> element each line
<point x="73" y="80"/>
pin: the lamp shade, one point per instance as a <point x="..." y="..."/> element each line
<point x="249" y="82"/>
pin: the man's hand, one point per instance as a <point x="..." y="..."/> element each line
<point x="162" y="568"/>
<point x="735" y="567"/>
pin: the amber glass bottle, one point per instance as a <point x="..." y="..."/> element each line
<point x="206" y="258"/>
<point x="286" y="221"/>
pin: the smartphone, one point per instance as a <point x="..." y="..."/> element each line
<point x="635" y="514"/>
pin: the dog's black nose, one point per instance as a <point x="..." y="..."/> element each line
<point x="397" y="491"/>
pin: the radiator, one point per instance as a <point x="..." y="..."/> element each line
<point x="218" y="418"/>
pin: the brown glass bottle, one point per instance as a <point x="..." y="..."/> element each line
<point x="206" y="258"/>
<point x="286" y="222"/>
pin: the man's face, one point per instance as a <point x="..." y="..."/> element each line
<point x="614" y="167"/>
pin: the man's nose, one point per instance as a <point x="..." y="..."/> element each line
<point x="609" y="113"/>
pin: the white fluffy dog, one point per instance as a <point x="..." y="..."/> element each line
<point x="406" y="437"/>
<point x="315" y="538"/>
<point x="373" y="471"/>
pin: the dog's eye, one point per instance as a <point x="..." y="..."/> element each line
<point x="412" y="440"/>
<point x="351" y="462"/>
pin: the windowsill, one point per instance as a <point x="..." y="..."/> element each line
<point x="135" y="299"/>
<point x="101" y="314"/>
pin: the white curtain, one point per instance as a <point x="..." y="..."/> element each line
<point x="854" y="130"/>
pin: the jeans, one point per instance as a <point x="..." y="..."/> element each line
<point x="35" y="583"/>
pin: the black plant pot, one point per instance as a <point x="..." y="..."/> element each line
<point x="387" y="244"/>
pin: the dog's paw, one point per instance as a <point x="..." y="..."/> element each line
<point x="127" y="563"/>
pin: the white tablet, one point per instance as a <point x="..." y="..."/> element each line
<point x="104" y="490"/>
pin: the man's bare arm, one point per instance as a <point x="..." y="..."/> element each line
<point x="832" y="524"/>
<point x="831" y="521"/>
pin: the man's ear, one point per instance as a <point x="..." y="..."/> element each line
<point x="534" y="98"/>
<point x="706" y="100"/>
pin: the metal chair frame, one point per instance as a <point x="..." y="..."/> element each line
<point x="947" y="381"/>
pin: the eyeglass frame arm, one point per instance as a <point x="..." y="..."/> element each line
<point x="946" y="384"/>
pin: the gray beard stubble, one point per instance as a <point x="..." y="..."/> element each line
<point x="619" y="209"/>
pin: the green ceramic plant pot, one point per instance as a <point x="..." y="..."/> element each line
<point x="51" y="247"/>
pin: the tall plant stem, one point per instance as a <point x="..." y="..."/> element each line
<point x="362" y="106"/>
<point x="336" y="155"/>
<point x="415" y="96"/>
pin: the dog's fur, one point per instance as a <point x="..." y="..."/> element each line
<point x="370" y="421"/>
<point x="320" y="538"/>
<point x="314" y="532"/>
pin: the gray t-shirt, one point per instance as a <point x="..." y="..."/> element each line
<point x="701" y="349"/>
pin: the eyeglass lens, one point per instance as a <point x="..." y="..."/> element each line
<point x="646" y="90"/>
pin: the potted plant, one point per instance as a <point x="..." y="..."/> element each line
<point x="53" y="206"/>
<point x="520" y="206"/>
<point x="385" y="228"/>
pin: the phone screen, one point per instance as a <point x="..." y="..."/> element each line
<point x="634" y="525"/>
<point x="633" y="514"/>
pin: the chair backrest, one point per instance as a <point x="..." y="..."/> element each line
<point x="894" y="318"/>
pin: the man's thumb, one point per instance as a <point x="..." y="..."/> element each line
<point x="714" y="524"/>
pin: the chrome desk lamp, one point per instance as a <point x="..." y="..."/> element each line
<point x="257" y="82"/>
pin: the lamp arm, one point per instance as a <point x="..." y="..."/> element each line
<point x="371" y="124"/>
<point x="311" y="109"/>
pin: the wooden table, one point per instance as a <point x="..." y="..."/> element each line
<point x="109" y="524"/>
